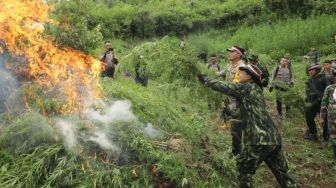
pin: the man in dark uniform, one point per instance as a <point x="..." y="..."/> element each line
<point x="110" y="61"/>
<point x="254" y="60"/>
<point x="261" y="139"/>
<point x="314" y="92"/>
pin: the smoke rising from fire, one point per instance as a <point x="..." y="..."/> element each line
<point x="68" y="132"/>
<point x="118" y="111"/>
<point x="49" y="65"/>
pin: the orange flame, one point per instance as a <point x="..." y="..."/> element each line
<point x="75" y="74"/>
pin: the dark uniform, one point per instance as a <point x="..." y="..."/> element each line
<point x="261" y="139"/>
<point x="110" y="63"/>
<point x="314" y="93"/>
<point x="328" y="111"/>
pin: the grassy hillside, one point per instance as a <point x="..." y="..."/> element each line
<point x="170" y="133"/>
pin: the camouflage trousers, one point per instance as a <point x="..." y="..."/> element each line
<point x="332" y="132"/>
<point x="252" y="156"/>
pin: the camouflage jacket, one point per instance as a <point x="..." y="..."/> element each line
<point x="259" y="129"/>
<point x="328" y="104"/>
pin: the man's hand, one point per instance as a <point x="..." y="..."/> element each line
<point x="202" y="78"/>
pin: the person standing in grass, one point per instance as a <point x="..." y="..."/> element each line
<point x="231" y="111"/>
<point x="328" y="113"/>
<point x="328" y="73"/>
<point x="254" y="60"/>
<point x="282" y="79"/>
<point x="213" y="64"/>
<point x="261" y="139"/>
<point x="109" y="59"/>
<point x="315" y="86"/>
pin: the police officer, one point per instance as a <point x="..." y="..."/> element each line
<point x="314" y="92"/>
<point x="231" y="111"/>
<point x="261" y="139"/>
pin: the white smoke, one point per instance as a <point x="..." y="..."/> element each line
<point x="118" y="111"/>
<point x="104" y="114"/>
<point x="151" y="132"/>
<point x="68" y="132"/>
<point x="8" y="85"/>
<point x="102" y="140"/>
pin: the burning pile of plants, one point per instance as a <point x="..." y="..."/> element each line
<point x="63" y="127"/>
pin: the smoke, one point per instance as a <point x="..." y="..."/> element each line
<point x="8" y="84"/>
<point x="151" y="132"/>
<point x="118" y="111"/>
<point x="102" y="140"/>
<point x="68" y="132"/>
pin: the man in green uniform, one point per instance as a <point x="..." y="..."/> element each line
<point x="328" y="111"/>
<point x="261" y="139"/>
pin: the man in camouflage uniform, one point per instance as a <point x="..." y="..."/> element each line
<point x="261" y="139"/>
<point x="328" y="111"/>
<point x="328" y="72"/>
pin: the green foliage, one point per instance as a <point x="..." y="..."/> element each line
<point x="27" y="132"/>
<point x="141" y="19"/>
<point x="74" y="28"/>
<point x="295" y="36"/>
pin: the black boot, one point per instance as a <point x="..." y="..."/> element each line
<point x="312" y="137"/>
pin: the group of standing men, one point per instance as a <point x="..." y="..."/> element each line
<point x="255" y="138"/>
<point x="320" y="99"/>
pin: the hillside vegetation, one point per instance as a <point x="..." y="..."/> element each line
<point x="169" y="134"/>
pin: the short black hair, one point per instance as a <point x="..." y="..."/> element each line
<point x="213" y="55"/>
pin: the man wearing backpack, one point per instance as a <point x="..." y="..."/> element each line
<point x="282" y="79"/>
<point x="109" y="61"/>
<point x="253" y="59"/>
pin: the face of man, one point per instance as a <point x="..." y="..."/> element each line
<point x="107" y="46"/>
<point x="312" y="72"/>
<point x="284" y="62"/>
<point x="327" y="66"/>
<point x="233" y="55"/>
<point x="213" y="60"/>
<point x="244" y="77"/>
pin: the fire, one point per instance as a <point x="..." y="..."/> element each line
<point x="75" y="74"/>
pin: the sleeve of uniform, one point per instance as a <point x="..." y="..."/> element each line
<point x="325" y="102"/>
<point x="231" y="89"/>
<point x="273" y="76"/>
<point x="292" y="75"/>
